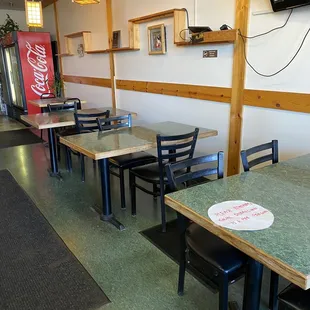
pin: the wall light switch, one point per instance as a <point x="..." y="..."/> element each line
<point x="210" y="54"/>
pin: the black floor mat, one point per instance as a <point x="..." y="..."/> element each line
<point x="18" y="137"/>
<point x="37" y="270"/>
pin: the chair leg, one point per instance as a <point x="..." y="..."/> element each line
<point x="182" y="267"/>
<point x="223" y="293"/>
<point x="58" y="149"/>
<point x="132" y="180"/>
<point x="94" y="163"/>
<point x="82" y="159"/>
<point x="273" y="292"/>
<point x="155" y="190"/>
<point x="122" y="187"/>
<point x="163" y="208"/>
<point x="68" y="159"/>
<point x="41" y="134"/>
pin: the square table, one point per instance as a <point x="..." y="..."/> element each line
<point x="42" y="103"/>
<point x="103" y="145"/>
<point x="284" y="189"/>
<point x="62" y="119"/>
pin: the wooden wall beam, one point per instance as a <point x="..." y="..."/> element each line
<point x="111" y="54"/>
<point x="236" y="110"/>
<point x="219" y="94"/>
<point x="85" y="80"/>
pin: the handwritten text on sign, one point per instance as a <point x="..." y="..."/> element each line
<point x="241" y="215"/>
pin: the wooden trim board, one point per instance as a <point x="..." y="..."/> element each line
<point x="295" y="102"/>
<point x="93" y="81"/>
<point x="218" y="94"/>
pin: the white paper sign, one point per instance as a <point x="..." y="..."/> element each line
<point x="241" y="215"/>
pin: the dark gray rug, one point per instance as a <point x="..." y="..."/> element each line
<point x="37" y="270"/>
<point x="18" y="137"/>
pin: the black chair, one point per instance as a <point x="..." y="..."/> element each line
<point x="127" y="161"/>
<point x="84" y="123"/>
<point x="69" y="105"/>
<point x="294" y="298"/>
<point x="169" y="149"/>
<point x="46" y="96"/>
<point x="247" y="165"/>
<point x="214" y="261"/>
<point x="273" y="157"/>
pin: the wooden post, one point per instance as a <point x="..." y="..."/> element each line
<point x="111" y="55"/>
<point x="58" y="36"/>
<point x="236" y="110"/>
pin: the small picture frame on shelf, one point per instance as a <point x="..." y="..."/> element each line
<point x="80" y="50"/>
<point x="116" y="42"/>
<point x="157" y="40"/>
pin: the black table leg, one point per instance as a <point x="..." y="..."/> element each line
<point x="53" y="171"/>
<point x="107" y="215"/>
<point x="252" y="285"/>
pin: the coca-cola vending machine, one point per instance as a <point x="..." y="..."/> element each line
<point x="27" y="70"/>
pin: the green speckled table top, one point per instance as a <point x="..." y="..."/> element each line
<point x="99" y="145"/>
<point x="66" y="118"/>
<point x="284" y="189"/>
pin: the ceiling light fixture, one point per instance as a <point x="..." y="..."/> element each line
<point x="84" y="2"/>
<point x="34" y="14"/>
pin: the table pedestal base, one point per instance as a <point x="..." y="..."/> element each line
<point x="112" y="220"/>
<point x="55" y="174"/>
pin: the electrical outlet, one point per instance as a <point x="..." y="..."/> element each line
<point x="210" y="54"/>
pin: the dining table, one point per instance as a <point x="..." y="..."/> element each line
<point x="60" y="119"/>
<point x="283" y="189"/>
<point x="101" y="146"/>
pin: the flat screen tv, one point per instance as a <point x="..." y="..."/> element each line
<point x="279" y="5"/>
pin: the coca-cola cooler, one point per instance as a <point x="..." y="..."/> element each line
<point x="27" y="70"/>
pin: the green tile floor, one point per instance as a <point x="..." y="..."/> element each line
<point x="131" y="271"/>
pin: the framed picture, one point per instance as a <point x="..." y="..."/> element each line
<point x="157" y="39"/>
<point x="116" y="42"/>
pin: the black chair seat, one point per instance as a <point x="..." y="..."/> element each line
<point x="68" y="131"/>
<point x="132" y="160"/>
<point x="214" y="250"/>
<point x="294" y="298"/>
<point x="150" y="173"/>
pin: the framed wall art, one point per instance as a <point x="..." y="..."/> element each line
<point x="157" y="39"/>
<point x="116" y="42"/>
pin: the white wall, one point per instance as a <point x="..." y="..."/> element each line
<point x="17" y="16"/>
<point x="268" y="54"/>
<point x="74" y="18"/>
<point x="186" y="65"/>
<point x="179" y="65"/>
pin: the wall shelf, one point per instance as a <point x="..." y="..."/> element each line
<point x="76" y="34"/>
<point x="114" y="50"/>
<point x="64" y="55"/>
<point x="214" y="37"/>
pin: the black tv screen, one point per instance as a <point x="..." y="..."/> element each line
<point x="279" y="5"/>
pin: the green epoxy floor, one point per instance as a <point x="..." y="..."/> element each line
<point x="131" y="271"/>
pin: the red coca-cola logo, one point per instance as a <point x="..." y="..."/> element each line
<point x="36" y="57"/>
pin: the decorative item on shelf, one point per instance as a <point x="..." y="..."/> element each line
<point x="116" y="42"/>
<point x="80" y="50"/>
<point x="157" y="39"/>
<point x="9" y="26"/>
<point x="34" y="16"/>
<point x="85" y="2"/>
